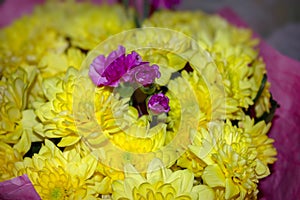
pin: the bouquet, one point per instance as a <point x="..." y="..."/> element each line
<point x="102" y="105"/>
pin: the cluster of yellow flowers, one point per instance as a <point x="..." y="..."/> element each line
<point x="226" y="157"/>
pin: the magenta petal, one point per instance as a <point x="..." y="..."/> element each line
<point x="115" y="54"/>
<point x="158" y="103"/>
<point x="98" y="64"/>
<point x="96" y="78"/>
<point x="18" y="188"/>
<point x="284" y="75"/>
<point x="133" y="59"/>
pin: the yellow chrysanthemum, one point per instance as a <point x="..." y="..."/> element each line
<point x="45" y="44"/>
<point x="57" y="175"/>
<point x="112" y="121"/>
<point x="266" y="152"/>
<point x="169" y="50"/>
<point x="54" y="29"/>
<point x="119" y="123"/>
<point x="56" y="114"/>
<point x="17" y="121"/>
<point x="233" y="156"/>
<point x="160" y="183"/>
<point x="8" y="157"/>
<point x="232" y="50"/>
<point x="232" y="172"/>
<point x="211" y="96"/>
<point x="88" y="29"/>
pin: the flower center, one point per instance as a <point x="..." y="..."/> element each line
<point x="57" y="193"/>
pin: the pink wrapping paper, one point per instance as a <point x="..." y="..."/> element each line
<point x="284" y="75"/>
<point x="13" y="9"/>
<point x="18" y="188"/>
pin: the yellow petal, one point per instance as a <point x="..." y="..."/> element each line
<point x="213" y="176"/>
<point x="204" y="192"/>
<point x="24" y="143"/>
<point x="231" y="189"/>
<point x="69" y="140"/>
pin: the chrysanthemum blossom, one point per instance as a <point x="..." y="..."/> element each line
<point x="108" y="71"/>
<point x="158" y="103"/>
<point x="57" y="111"/>
<point x="236" y="158"/>
<point x="8" y="156"/>
<point x="60" y="175"/>
<point x="160" y="183"/>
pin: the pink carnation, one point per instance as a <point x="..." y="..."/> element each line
<point x="109" y="71"/>
<point x="143" y="74"/>
<point x="159" y="103"/>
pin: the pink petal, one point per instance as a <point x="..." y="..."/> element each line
<point x="99" y="64"/>
<point x="284" y="75"/>
<point x="18" y="188"/>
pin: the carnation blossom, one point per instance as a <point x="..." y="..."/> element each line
<point x="159" y="103"/>
<point x="109" y="71"/>
<point x="143" y="74"/>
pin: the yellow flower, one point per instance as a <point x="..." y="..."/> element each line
<point x="56" y="114"/>
<point x="160" y="183"/>
<point x="53" y="29"/>
<point x="8" y="156"/>
<point x="120" y="124"/>
<point x="38" y="37"/>
<point x="235" y="161"/>
<point x="17" y="120"/>
<point x="59" y="175"/>
<point x="88" y="29"/>
<point x="57" y="63"/>
<point x="232" y="172"/>
<point x="266" y="152"/>
<point x="211" y="96"/>
<point x="232" y="49"/>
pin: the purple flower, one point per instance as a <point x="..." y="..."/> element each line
<point x="109" y="71"/>
<point x="158" y="103"/>
<point x="144" y="74"/>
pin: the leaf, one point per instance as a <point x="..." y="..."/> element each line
<point x="261" y="88"/>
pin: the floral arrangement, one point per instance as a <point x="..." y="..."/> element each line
<point x="92" y="108"/>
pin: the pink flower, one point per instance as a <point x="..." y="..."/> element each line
<point x="109" y="71"/>
<point x="159" y="103"/>
<point x="144" y="74"/>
